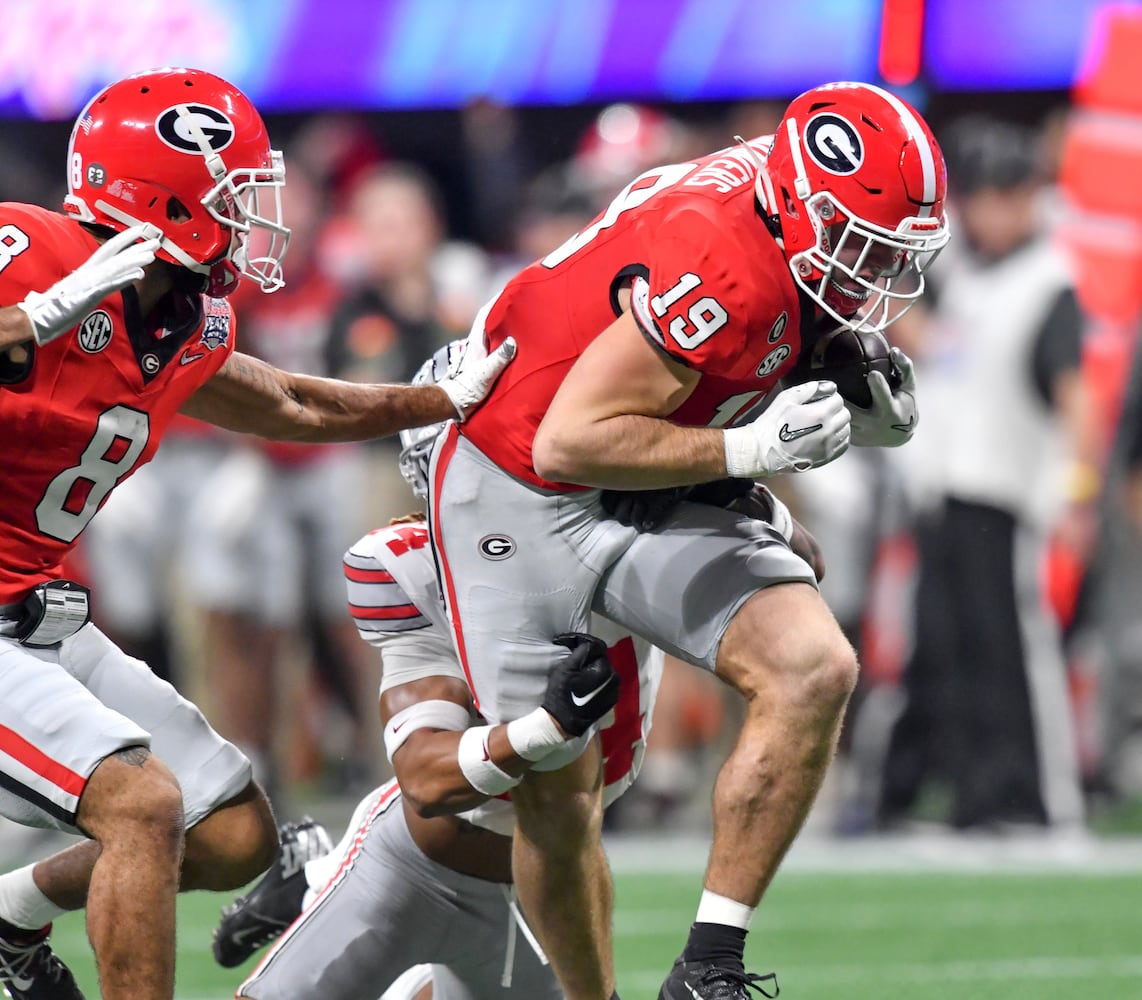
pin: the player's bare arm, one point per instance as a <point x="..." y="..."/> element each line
<point x="427" y="765"/>
<point x="253" y="397"/>
<point x="15" y="328"/>
<point x="607" y="424"/>
<point x="443" y="770"/>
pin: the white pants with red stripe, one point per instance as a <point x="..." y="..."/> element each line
<point x="386" y="906"/>
<point x="63" y="710"/>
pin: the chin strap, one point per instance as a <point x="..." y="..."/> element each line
<point x="765" y="199"/>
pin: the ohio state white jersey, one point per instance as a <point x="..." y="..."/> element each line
<point x="393" y="591"/>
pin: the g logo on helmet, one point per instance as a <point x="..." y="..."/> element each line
<point x="174" y="127"/>
<point x="834" y="143"/>
<point x="496" y="547"/>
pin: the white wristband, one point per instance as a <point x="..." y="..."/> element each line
<point x="535" y="735"/>
<point x="432" y="714"/>
<point x="740" y="447"/>
<point x="476" y="762"/>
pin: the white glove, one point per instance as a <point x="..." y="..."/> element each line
<point x="891" y="420"/>
<point x="805" y="426"/>
<point x="475" y="374"/>
<point x="116" y="264"/>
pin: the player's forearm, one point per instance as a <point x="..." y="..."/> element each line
<point x="430" y="776"/>
<point x="630" y="452"/>
<point x="332" y="410"/>
<point x="15" y="327"/>
<point x="252" y="397"/>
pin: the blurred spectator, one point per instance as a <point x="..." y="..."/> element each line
<point x="387" y="324"/>
<point x="272" y="521"/>
<point x="623" y="141"/>
<point x="496" y="167"/>
<point x="1003" y="458"/>
<point x="554" y="207"/>
<point x="409" y="292"/>
<point x="335" y="151"/>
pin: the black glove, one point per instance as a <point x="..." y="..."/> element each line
<point x="647" y="509"/>
<point x="641" y="509"/>
<point x="583" y="687"/>
<point x="721" y="492"/>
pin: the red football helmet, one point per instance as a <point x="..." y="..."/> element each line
<point x="188" y="152"/>
<point x="857" y="183"/>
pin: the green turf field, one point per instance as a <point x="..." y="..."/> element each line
<point x="878" y="936"/>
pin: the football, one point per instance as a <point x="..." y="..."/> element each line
<point x="846" y="357"/>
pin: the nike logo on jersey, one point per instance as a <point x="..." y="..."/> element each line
<point x="187" y="357"/>
<point x="789" y="435"/>
<point x="905" y="428"/>
<point x="580" y="702"/>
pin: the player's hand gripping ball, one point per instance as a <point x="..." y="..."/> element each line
<point x="848" y="357"/>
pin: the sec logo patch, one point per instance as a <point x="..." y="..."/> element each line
<point x="773" y="360"/>
<point x="95" y="331"/>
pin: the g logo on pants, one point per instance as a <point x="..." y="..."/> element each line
<point x="496" y="547"/>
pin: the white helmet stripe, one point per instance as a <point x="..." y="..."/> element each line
<point x="916" y="132"/>
<point x="213" y="161"/>
<point x="801" y="186"/>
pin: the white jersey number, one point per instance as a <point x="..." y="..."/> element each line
<point x="13" y="242"/>
<point x="706" y="316"/>
<point x="73" y="497"/>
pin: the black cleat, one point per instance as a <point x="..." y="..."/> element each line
<point x="30" y="970"/>
<point x="706" y="981"/>
<point x="275" y="902"/>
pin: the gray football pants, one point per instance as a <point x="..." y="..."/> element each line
<point x="389" y="907"/>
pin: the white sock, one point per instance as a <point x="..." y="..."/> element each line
<point x="715" y="909"/>
<point x="22" y="903"/>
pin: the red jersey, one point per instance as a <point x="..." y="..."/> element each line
<point x="96" y="401"/>
<point x="711" y="290"/>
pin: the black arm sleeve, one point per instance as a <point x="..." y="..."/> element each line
<point x="1058" y="345"/>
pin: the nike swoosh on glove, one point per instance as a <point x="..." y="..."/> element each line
<point x="116" y="264"/>
<point x="583" y="687"/>
<point x="892" y="418"/>
<point x="805" y="426"/>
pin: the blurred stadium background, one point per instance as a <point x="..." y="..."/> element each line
<point x="433" y="146"/>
